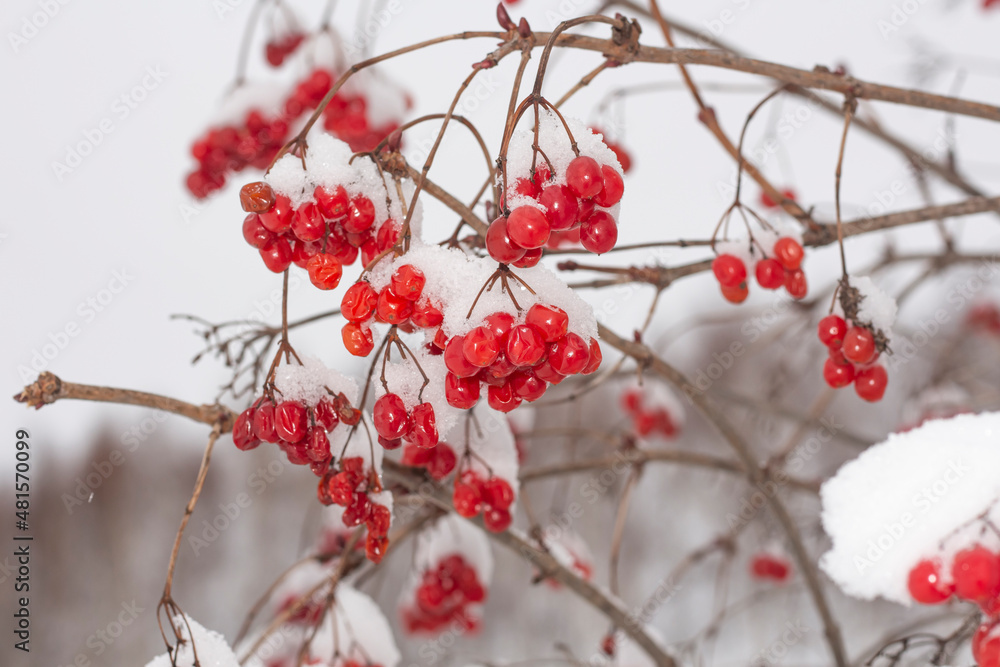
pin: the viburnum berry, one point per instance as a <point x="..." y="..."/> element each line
<point x="392" y="308"/>
<point x="256" y="197"/>
<point x="527" y="385"/>
<point x="595" y="359"/>
<point x="360" y="215"/>
<point x="496" y="520"/>
<point x="357" y="339"/>
<point x="308" y="223"/>
<point x="455" y="359"/>
<point x="735" y="294"/>
<point x="729" y="270"/>
<point x="278" y="218"/>
<point x="925" y="584"/>
<point x="442" y="462"/>
<point x="612" y="187"/>
<point x="325" y="271"/>
<point x="767" y="202"/>
<point x="768" y="566"/>
<point x="832" y="330"/>
<point x="502" y="397"/>
<point x="317" y="445"/>
<point x="583" y="177"/>
<point x="770" y="273"/>
<point x="423" y="433"/>
<point x="551" y="321"/>
<point x="480" y="346"/>
<point x="837" y="375"/>
<point x="263" y="422"/>
<point x="290" y="421"/>
<point x="277" y="254"/>
<point x="859" y="346"/>
<point x="375" y="546"/>
<point x="390" y="417"/>
<point x="531" y="257"/>
<point x="500" y="323"/>
<point x="789" y="252"/>
<point x="569" y="355"/>
<point x="544" y="371"/>
<point x="497" y="492"/>
<point x="426" y="315"/>
<point x="255" y="233"/>
<point x="379" y="520"/>
<point x="562" y="207"/>
<point x="976" y="573"/>
<point x="408" y="282"/>
<point x="499" y="243"/>
<point x="243" y="435"/>
<point x="986" y="644"/>
<point x="796" y="283"/>
<point x="358" y="510"/>
<point x="599" y="232"/>
<point x="525" y="345"/>
<point x="870" y="383"/>
<point x="528" y="227"/>
<point x="462" y="393"/>
<point x="468" y="499"/>
<point x="359" y="302"/>
<point x="332" y="203"/>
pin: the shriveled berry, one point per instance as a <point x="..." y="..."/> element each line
<point x="360" y="215"/>
<point x="359" y="302"/>
<point x="569" y="355"/>
<point x="551" y="321"/>
<point x="392" y="308"/>
<point x="408" y="282"/>
<point x="480" y="347"/>
<point x="263" y="422"/>
<point x="308" y="223"/>
<point x="461" y="393"/>
<point x="357" y="339"/>
<point x="317" y="444"/>
<point x="424" y="432"/>
<point x="325" y="271"/>
<point x="278" y="218"/>
<point x="332" y="203"/>
<point x="243" y="435"/>
<point x="525" y="345"/>
<point x="455" y="359"/>
<point x="257" y="197"/>
<point x="502" y="397"/>
<point x="290" y="421"/>
<point x="426" y="315"/>
<point x="596" y="357"/>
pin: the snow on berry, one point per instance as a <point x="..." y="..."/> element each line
<point x="920" y="495"/>
<point x="876" y="308"/>
<point x="211" y="647"/>
<point x="453" y="566"/>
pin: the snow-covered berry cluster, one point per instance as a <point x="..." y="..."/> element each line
<point x="565" y="192"/>
<point x="251" y="141"/>
<point x="444" y="596"/>
<point x="321" y="219"/>
<point x="399" y="303"/>
<point x="359" y="492"/>
<point x="779" y="266"/>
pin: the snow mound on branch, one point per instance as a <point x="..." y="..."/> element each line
<point x="211" y="647"/>
<point x="914" y="496"/>
<point x="876" y="308"/>
<point x="487" y="434"/>
<point x="362" y="632"/>
<point x="309" y="382"/>
<point x="454" y="279"/>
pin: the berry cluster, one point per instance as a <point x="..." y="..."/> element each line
<point x="444" y="596"/>
<point x="439" y="461"/>
<point x="767" y="202"/>
<point x="279" y="48"/>
<point x="399" y="303"/>
<point x="517" y="362"/>
<point x="769" y="567"/>
<point x="321" y="235"/>
<point x="580" y="199"/>
<point x="351" y="488"/>
<point x="396" y="424"/>
<point x="646" y="419"/>
<point x="490" y="497"/>
<point x="853" y="353"/>
<point x="299" y="430"/>
<point x="254" y="143"/>
<point x="782" y="269"/>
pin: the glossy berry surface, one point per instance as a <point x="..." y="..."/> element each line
<point x="859" y="346"/>
<point x="925" y="583"/>
<point x="729" y="270"/>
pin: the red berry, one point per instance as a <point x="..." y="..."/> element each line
<point x="527" y="385"/>
<point x="243" y="436"/>
<point x="976" y="572"/>
<point x="599" y="232"/>
<point x="925" y="585"/>
<point x="254" y="232"/>
<point x="408" y="282"/>
<point x="379" y="520"/>
<point x="613" y="187"/>
<point x="442" y="462"/>
<point x="360" y="215"/>
<point x="324" y="270"/>
<point x="375" y="546"/>
<point x="587" y="208"/>
<point x="562" y="207"/>
<point x="596" y="357"/>
<point x="497" y="492"/>
<point x="551" y="321"/>
<point x="789" y="252"/>
<point x="869" y="383"/>
<point x="569" y="355"/>
<point x="496" y="520"/>
<point x="480" y="347"/>
<point x="263" y="422"/>
<point x="766" y="566"/>
<point x="729" y="270"/>
<point x="317" y="445"/>
<point x="796" y="284"/>
<point x="326" y="415"/>
<point x="308" y="223"/>
<point x="455" y="359"/>
<point x="357" y="340"/>
<point x="358" y="510"/>
<point x="986" y="644"/>
<point x="391" y="308"/>
<point x="499" y="243"/>
<point x="837" y="375"/>
<point x="424" y="432"/>
<point x="290" y="421"/>
<point x="359" y="302"/>
<point x="277" y="254"/>
<point x="770" y="273"/>
<point x="525" y="345"/>
<point x="278" y="218"/>
<point x="332" y="203"/>
<point x="832" y="330"/>
<point x="859" y="346"/>
<point x="528" y="227"/>
<point x="583" y="177"/>
<point x="256" y="197"/>
<point x="736" y="294"/>
<point x="467" y="499"/>
<point x="530" y="259"/>
<point x="390" y="417"/>
<point x="461" y="393"/>
<point x="500" y="323"/>
<point x="426" y="315"/>
<point x="502" y="397"/>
